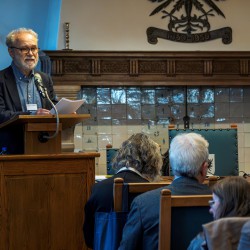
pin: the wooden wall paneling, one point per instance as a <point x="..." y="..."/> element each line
<point x="123" y="68"/>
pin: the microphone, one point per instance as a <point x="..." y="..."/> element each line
<point x="39" y="85"/>
<point x="43" y="137"/>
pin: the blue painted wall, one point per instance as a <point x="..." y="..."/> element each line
<point x="41" y="16"/>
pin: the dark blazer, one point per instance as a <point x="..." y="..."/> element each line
<point x="10" y="106"/>
<point x="142" y="227"/>
<point x="245" y="237"/>
<point x="101" y="200"/>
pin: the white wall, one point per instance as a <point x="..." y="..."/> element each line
<point x="122" y="25"/>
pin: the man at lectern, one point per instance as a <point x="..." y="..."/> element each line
<point x="21" y="86"/>
<point x="23" y="90"/>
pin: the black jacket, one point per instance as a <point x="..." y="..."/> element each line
<point x="142" y="227"/>
<point x="101" y="200"/>
<point x="10" y="104"/>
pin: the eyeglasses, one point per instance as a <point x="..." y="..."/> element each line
<point x="211" y="203"/>
<point x="27" y="50"/>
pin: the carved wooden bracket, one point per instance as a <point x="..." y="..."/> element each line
<point x="69" y="91"/>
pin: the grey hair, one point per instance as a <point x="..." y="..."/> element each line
<point x="141" y="153"/>
<point x="12" y="36"/>
<point x="187" y="153"/>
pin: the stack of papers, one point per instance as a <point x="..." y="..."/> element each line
<point x="66" y="106"/>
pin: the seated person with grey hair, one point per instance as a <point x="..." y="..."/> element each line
<point x="188" y="156"/>
<point x="138" y="160"/>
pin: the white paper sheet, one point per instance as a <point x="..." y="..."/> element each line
<point x="66" y="106"/>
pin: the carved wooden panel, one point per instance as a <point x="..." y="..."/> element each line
<point x="223" y="67"/>
<point x="153" y="67"/>
<point x="76" y="66"/>
<point x="115" y="66"/>
<point x="190" y="67"/>
<point x="105" y="68"/>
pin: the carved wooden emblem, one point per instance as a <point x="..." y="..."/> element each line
<point x="188" y="22"/>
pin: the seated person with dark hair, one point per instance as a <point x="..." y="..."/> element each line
<point x="188" y="157"/>
<point x="138" y="160"/>
<point x="165" y="165"/>
<point x="231" y="198"/>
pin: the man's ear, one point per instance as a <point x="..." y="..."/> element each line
<point x="204" y="169"/>
<point x="11" y="53"/>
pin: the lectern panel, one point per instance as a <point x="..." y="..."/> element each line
<point x="42" y="200"/>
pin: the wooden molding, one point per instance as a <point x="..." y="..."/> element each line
<point x="67" y="91"/>
<point x="123" y="68"/>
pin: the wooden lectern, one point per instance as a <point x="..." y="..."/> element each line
<point x="42" y="199"/>
<point x="43" y="192"/>
<point x="35" y="127"/>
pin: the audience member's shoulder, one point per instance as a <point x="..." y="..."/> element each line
<point x="206" y="188"/>
<point x="108" y="181"/>
<point x="246" y="227"/>
<point x="150" y="195"/>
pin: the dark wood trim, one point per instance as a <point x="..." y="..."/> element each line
<point x="123" y="68"/>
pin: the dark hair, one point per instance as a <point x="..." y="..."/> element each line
<point x="165" y="164"/>
<point x="141" y="153"/>
<point x="234" y="195"/>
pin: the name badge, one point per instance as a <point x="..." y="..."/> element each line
<point x="31" y="107"/>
